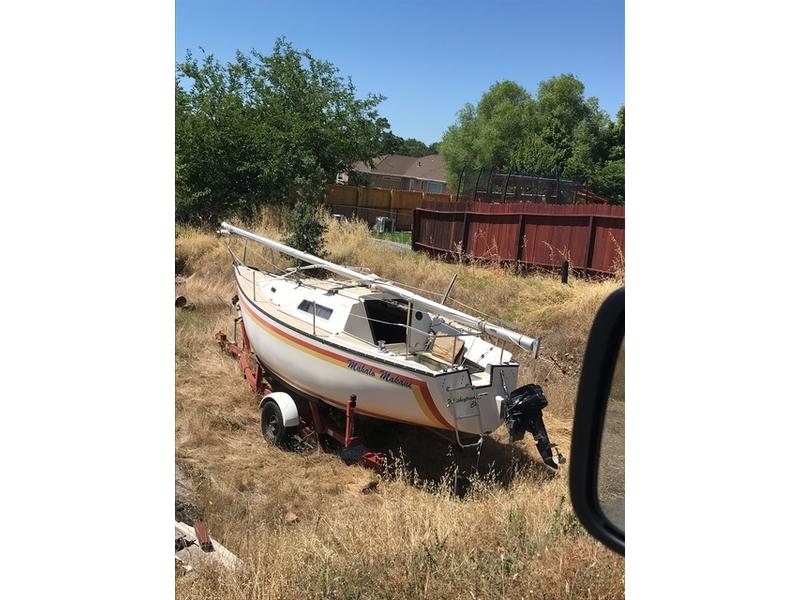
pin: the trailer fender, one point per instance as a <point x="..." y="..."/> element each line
<point x="291" y="418"/>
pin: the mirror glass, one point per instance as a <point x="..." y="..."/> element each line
<point x="611" y="470"/>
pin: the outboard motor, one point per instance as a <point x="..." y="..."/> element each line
<point x="524" y="413"/>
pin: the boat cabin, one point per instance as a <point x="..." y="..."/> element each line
<point x="368" y="319"/>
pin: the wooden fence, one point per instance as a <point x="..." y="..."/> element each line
<point x="591" y="237"/>
<point x="369" y="203"/>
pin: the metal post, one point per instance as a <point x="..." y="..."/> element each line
<point x="244" y="253"/>
<point x="505" y="185"/>
<point x="254" y="285"/>
<point x="460" y="177"/>
<point x="408" y="328"/>
<point x="349" y="417"/>
<point x="477" y="181"/>
<point x="314" y="318"/>
<point x="558" y="186"/>
<point x="564" y="271"/>
<point x="449" y="287"/>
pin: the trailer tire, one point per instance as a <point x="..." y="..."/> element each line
<point x="273" y="427"/>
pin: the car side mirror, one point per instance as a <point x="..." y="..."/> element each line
<point x="597" y="456"/>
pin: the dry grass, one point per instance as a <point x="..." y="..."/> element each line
<point x="511" y="535"/>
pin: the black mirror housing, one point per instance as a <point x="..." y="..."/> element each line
<point x="602" y="348"/>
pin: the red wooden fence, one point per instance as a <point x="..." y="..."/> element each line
<point x="590" y="236"/>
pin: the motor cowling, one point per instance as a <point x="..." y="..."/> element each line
<point x="524" y="413"/>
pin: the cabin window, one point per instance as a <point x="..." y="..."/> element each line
<point x="323" y="312"/>
<point x="387" y="321"/>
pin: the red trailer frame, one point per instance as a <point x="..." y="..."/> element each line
<point x="313" y="419"/>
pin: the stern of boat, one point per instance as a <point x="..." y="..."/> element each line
<point x="476" y="404"/>
<point x="480" y="409"/>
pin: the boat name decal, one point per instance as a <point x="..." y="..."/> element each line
<point x="360" y="367"/>
<point x="394" y="378"/>
<point x="372" y="372"/>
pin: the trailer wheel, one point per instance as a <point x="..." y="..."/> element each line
<point x="273" y="427"/>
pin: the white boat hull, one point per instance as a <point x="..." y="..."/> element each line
<point x="332" y="373"/>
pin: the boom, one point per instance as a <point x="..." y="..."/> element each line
<point x="523" y="341"/>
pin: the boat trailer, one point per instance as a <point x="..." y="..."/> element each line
<point x="312" y="413"/>
<point x="310" y="417"/>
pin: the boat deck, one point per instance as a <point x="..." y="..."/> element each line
<point x="256" y="285"/>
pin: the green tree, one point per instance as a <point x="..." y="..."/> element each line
<point x="557" y="131"/>
<point x="357" y="178"/>
<point x="407" y="146"/>
<point x="413" y="147"/>
<point x="566" y="129"/>
<point x="609" y="177"/>
<point x="616" y="136"/>
<point x="560" y="108"/>
<point x="534" y="155"/>
<point x="609" y="180"/>
<point x="487" y="134"/>
<point x="458" y="147"/>
<point x="266" y="129"/>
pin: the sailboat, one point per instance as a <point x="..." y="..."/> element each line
<point x="407" y="358"/>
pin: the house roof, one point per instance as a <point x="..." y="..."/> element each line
<point x="429" y="168"/>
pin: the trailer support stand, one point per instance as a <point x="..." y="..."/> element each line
<point x="251" y="367"/>
<point x="255" y="374"/>
<point x="350" y="413"/>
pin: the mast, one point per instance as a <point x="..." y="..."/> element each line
<point x="529" y="344"/>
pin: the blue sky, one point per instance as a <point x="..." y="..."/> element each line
<point x="427" y="58"/>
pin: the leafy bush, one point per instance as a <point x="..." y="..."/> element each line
<point x="357" y="178"/>
<point x="306" y="228"/>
